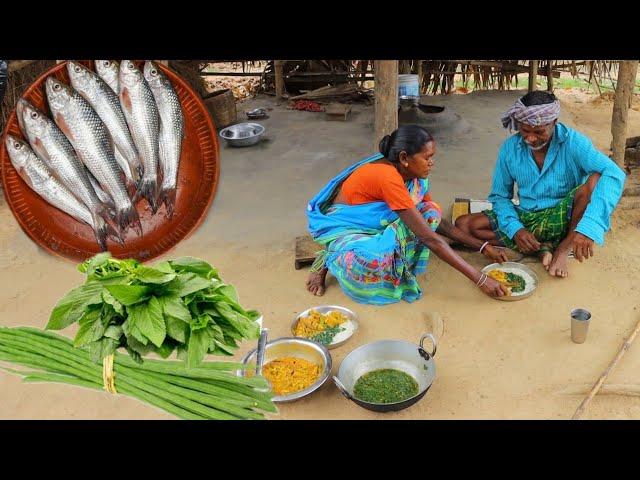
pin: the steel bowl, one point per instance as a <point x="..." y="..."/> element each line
<point x="397" y="354"/>
<point x="298" y="348"/>
<point x="256" y="113"/>
<point x="353" y="318"/>
<point x="519" y="266"/>
<point x="242" y="134"/>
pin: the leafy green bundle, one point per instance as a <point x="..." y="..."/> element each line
<point x="180" y="305"/>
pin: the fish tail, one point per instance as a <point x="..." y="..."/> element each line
<point x="131" y="187"/>
<point x="129" y="216"/>
<point x="100" y="229"/>
<point x="168" y="197"/>
<point x="148" y="189"/>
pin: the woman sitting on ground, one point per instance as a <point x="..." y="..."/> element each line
<point x="378" y="225"/>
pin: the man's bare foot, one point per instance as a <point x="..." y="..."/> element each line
<point x="315" y="282"/>
<point x="558" y="266"/>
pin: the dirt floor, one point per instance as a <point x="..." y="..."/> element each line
<point x="495" y="360"/>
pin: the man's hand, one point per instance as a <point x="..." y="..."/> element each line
<point x="582" y="246"/>
<point x="495" y="254"/>
<point x="526" y="241"/>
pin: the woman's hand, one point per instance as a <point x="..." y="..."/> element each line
<point x="495" y="254"/>
<point x="493" y="288"/>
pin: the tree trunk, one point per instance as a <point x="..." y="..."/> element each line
<point x="533" y="74"/>
<point x="549" y="76"/>
<point x="624" y="93"/>
<point x="386" y="99"/>
<point x="279" y="78"/>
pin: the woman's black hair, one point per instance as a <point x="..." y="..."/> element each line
<point x="538" y="97"/>
<point x="407" y="138"/>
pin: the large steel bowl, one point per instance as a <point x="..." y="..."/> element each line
<point x="243" y="134"/>
<point x="397" y="354"/>
<point x="298" y="348"/>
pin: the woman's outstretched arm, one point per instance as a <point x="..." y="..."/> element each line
<point x="418" y="225"/>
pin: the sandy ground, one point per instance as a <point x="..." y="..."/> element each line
<point x="495" y="360"/>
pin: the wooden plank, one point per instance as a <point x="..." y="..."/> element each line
<point x="386" y="99"/>
<point x="305" y="251"/>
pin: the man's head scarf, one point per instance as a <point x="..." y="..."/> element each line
<point x="534" y="115"/>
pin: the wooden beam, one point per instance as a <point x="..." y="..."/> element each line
<point x="624" y="93"/>
<point x="386" y="99"/>
<point x="533" y="75"/>
<point x="279" y="78"/>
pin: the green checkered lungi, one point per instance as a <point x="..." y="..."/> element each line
<point x="549" y="226"/>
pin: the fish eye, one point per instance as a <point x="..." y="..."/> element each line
<point x="106" y="63"/>
<point x="154" y="72"/>
<point x="17" y="145"/>
<point x="131" y="66"/>
<point x="77" y="69"/>
<point x="56" y="87"/>
<point x="34" y="114"/>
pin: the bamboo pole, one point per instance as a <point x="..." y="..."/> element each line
<point x="533" y="75"/>
<point x="386" y="99"/>
<point x="622" y="101"/>
<point x="594" y="390"/>
<point x="279" y="78"/>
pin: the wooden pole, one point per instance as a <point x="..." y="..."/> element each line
<point x="386" y="99"/>
<point x="622" y="101"/>
<point x="550" y="76"/>
<point x="420" y="75"/>
<point x="279" y="78"/>
<point x="625" y="346"/>
<point x="533" y="75"/>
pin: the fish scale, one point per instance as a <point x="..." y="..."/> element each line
<point x="89" y="137"/>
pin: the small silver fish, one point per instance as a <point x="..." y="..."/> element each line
<point x="41" y="180"/>
<point x="171" y="132"/>
<point x="107" y="105"/>
<point x="108" y="71"/>
<point x="82" y="126"/>
<point x="142" y="116"/>
<point x="54" y="149"/>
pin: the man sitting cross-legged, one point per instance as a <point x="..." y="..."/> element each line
<point x="566" y="187"/>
